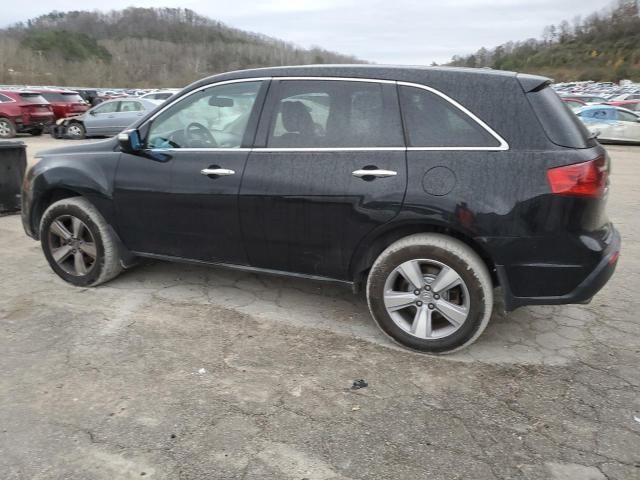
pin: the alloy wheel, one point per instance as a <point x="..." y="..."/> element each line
<point x="74" y="130"/>
<point x="72" y="245"/>
<point x="426" y="299"/>
<point x="5" y="128"/>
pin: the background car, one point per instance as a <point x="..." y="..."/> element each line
<point x="612" y="124"/>
<point x="161" y="95"/>
<point x="573" y="103"/>
<point x="23" y="111"/>
<point x="633" y="105"/>
<point x="65" y="103"/>
<point x="104" y="120"/>
<point x="588" y="99"/>
<point x="628" y="96"/>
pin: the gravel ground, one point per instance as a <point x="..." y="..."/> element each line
<point x="185" y="372"/>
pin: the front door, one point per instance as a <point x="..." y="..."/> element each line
<point x="179" y="197"/>
<point x="327" y="168"/>
<point x="101" y="120"/>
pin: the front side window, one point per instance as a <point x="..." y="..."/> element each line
<point x="334" y="114"/>
<point x="107" y="107"/>
<point x="432" y="121"/>
<point x="215" y="117"/>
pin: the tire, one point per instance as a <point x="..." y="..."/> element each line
<point x="7" y="128"/>
<point x="76" y="131"/>
<point x="430" y="319"/>
<point x="94" y="238"/>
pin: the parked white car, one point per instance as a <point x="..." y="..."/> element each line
<point x="611" y="124"/>
<point x="160" y="95"/>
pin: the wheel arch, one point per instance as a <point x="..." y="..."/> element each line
<point x="370" y="248"/>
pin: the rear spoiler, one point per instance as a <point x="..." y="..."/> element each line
<point x="533" y="83"/>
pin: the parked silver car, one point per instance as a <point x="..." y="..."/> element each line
<point x="104" y="120"/>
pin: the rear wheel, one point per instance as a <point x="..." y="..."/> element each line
<point x="7" y="128"/>
<point x="431" y="293"/>
<point x="76" y="131"/>
<point x="78" y="243"/>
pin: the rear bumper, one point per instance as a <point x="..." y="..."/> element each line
<point x="583" y="293"/>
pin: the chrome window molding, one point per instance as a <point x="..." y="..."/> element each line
<point x="502" y="143"/>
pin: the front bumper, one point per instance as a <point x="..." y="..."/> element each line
<point x="585" y="290"/>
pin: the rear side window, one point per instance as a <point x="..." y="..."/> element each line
<point x="335" y="114"/>
<point x="432" y="121"/>
<point x="561" y="126"/>
<point x="130" y="106"/>
<point x="4" y="98"/>
<point x="627" y="117"/>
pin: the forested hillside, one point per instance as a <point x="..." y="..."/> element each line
<point x="603" y="46"/>
<point x="138" y="47"/>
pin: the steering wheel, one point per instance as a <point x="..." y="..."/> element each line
<point x="198" y="132"/>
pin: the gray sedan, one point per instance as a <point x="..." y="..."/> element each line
<point x="106" y="119"/>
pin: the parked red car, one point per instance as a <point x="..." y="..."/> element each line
<point x="65" y="103"/>
<point x="573" y="103"/>
<point x="633" y="105"/>
<point x="23" y="111"/>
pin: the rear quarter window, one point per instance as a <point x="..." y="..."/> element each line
<point x="432" y="121"/>
<point x="33" y="98"/>
<point x="559" y="123"/>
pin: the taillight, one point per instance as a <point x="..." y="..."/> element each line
<point x="587" y="179"/>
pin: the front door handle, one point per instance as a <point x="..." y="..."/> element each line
<point x="374" y="173"/>
<point x="220" y="172"/>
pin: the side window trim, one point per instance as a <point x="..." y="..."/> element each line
<point x="268" y="96"/>
<point x="502" y="143"/>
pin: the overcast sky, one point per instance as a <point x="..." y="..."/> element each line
<point x="381" y="31"/>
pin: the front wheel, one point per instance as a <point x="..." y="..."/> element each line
<point x="430" y="293"/>
<point x="76" y="131"/>
<point x="78" y="243"/>
<point x="7" y="128"/>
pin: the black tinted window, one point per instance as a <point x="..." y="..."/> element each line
<point x="559" y="123"/>
<point x="432" y="121"/>
<point x="63" y="97"/>
<point x="330" y="113"/>
<point x="33" y="98"/>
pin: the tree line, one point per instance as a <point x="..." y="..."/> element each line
<point x="138" y="47"/>
<point x="604" y="46"/>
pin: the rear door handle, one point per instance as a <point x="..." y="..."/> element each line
<point x="374" y="173"/>
<point x="220" y="172"/>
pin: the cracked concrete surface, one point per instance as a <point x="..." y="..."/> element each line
<point x="106" y="383"/>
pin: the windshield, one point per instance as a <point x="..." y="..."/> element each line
<point x="63" y="97"/>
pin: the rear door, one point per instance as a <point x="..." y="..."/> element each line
<point x="129" y="111"/>
<point x="328" y="166"/>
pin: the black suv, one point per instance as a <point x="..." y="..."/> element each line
<point x="426" y="186"/>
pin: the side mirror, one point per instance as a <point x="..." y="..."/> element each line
<point x="92" y="112"/>
<point x="129" y="141"/>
